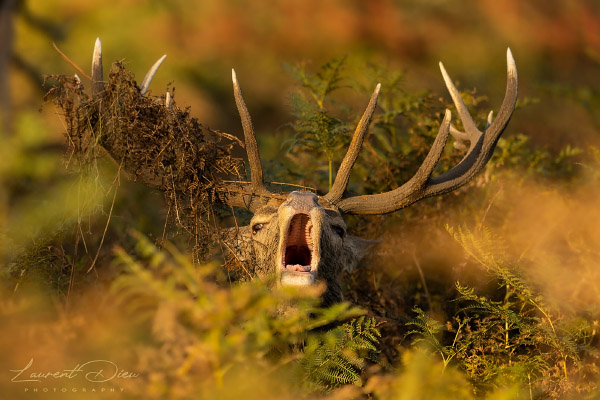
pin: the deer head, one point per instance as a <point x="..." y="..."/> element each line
<point x="301" y="237"/>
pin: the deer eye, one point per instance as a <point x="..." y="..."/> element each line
<point x="256" y="228"/>
<point x="339" y="230"/>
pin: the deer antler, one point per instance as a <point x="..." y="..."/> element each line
<point x="245" y="195"/>
<point x="422" y="184"/>
<point x="254" y="194"/>
<point x="256" y="173"/>
<point x="343" y="176"/>
<point x="97" y="74"/>
<point x="98" y="78"/>
<point x="150" y="74"/>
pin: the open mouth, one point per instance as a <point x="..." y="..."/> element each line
<point x="299" y="256"/>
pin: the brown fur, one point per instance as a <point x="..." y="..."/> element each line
<point x="337" y="253"/>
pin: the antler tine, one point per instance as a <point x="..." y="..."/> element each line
<point x="406" y="194"/>
<point x="422" y="184"/>
<point x="490" y="119"/>
<point x="343" y="176"/>
<point x="150" y="74"/>
<point x="256" y="173"/>
<point x="97" y="75"/>
<point x="481" y="151"/>
<point x="461" y="139"/>
<point x="428" y="165"/>
<point x="168" y="101"/>
<point x="471" y="132"/>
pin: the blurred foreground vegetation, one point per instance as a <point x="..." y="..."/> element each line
<point x="488" y="292"/>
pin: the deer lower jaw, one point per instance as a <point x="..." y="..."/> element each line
<point x="299" y="255"/>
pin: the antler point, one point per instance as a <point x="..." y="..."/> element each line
<point x="510" y="63"/>
<point x="97" y="49"/>
<point x="97" y="75"/>
<point x="447" y="114"/>
<point x="150" y="75"/>
<point x="446" y="77"/>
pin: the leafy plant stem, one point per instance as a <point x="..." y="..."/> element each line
<point x="506" y="321"/>
<point x="330" y="161"/>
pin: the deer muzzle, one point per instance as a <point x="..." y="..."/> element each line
<point x="299" y="250"/>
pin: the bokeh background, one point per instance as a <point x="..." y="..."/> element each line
<point x="555" y="44"/>
<point x="547" y="214"/>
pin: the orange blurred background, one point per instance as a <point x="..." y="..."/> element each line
<point x="556" y="45"/>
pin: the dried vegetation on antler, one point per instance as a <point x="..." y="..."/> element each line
<point x="156" y="142"/>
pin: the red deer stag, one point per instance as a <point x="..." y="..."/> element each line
<point x="301" y="237"/>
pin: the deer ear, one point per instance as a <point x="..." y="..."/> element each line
<point x="355" y="249"/>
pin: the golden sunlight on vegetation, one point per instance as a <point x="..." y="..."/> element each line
<point x="113" y="290"/>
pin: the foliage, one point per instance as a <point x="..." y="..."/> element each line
<point x="517" y="340"/>
<point x="338" y="357"/>
<point x="315" y="128"/>
<point x="205" y="335"/>
<point x="517" y="152"/>
<point x="421" y="377"/>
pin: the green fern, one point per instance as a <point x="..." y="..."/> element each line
<point x="316" y="128"/>
<point x="328" y="79"/>
<point x="427" y="328"/>
<point x="338" y="357"/>
<point x="515" y="340"/>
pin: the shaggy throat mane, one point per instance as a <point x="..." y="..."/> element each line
<point x="298" y="250"/>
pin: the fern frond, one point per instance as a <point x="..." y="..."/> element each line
<point x="339" y="356"/>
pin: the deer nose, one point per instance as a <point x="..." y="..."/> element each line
<point x="302" y="201"/>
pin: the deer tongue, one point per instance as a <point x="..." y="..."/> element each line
<point x="298" y="268"/>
